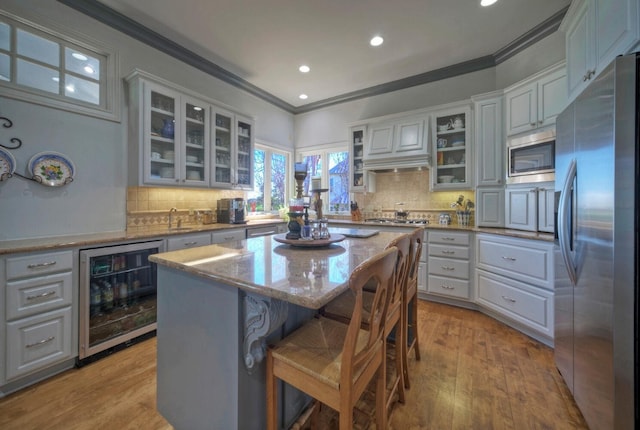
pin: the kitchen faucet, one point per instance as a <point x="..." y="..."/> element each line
<point x="171" y="212"/>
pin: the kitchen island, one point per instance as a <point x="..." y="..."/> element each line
<point x="219" y="305"/>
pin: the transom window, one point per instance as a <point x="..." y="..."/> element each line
<point x="38" y="65"/>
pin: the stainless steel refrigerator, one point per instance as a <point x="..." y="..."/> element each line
<point x="596" y="289"/>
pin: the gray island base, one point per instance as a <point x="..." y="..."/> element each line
<point x="219" y="306"/>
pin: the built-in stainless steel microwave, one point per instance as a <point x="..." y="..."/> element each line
<point x="532" y="158"/>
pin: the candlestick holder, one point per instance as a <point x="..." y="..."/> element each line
<point x="317" y="202"/>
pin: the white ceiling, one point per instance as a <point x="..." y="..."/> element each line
<point x="264" y="41"/>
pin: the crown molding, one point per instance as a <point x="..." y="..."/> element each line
<point x="122" y="23"/>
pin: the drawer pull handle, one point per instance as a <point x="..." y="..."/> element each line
<point x="448" y="252"/>
<point x="508" y="299"/>
<point x="195" y="242"/>
<point x="447" y="287"/>
<point x="40" y="265"/>
<point x="229" y="238"/>
<point x="40" y="342"/>
<point x="448" y="268"/>
<point x="39" y="296"/>
<point x="509" y="258"/>
<point x="449" y="238"/>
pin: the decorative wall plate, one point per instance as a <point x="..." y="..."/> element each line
<point x="51" y="168"/>
<point x="7" y="164"/>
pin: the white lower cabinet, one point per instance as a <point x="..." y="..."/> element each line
<point x="449" y="264"/>
<point x="38" y="317"/>
<point x="38" y="341"/>
<point x="514" y="279"/>
<point x="423" y="266"/>
<point x="188" y="241"/>
<point x="230" y="235"/>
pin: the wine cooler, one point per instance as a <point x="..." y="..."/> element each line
<point x="117" y="297"/>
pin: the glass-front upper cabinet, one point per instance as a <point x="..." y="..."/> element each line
<point x="360" y="179"/>
<point x="244" y="154"/>
<point x="175" y="138"/>
<point x="451" y="146"/>
<point x="232" y="151"/>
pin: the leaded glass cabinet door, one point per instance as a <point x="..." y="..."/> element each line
<point x="244" y="154"/>
<point x="162" y="164"/>
<point x="195" y="148"/>
<point x="222" y="155"/>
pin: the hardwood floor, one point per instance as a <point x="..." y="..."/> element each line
<point x="475" y="373"/>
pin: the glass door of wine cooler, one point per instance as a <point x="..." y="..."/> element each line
<point x="117" y="295"/>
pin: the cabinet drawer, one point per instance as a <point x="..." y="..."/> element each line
<point x="31" y="296"/>
<point x="191" y="241"/>
<point x="448" y="267"/>
<point x="525" y="260"/>
<point x="228" y="235"/>
<point x="39" y="341"/>
<point x="448" y="287"/>
<point x="445" y="251"/>
<point x="448" y="238"/>
<point x="39" y="264"/>
<point x="529" y="305"/>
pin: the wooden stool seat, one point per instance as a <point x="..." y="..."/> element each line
<point x="334" y="362"/>
<point x="341" y="309"/>
<point x="411" y="303"/>
<point x="316" y="350"/>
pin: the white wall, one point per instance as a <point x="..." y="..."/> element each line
<point x="329" y="125"/>
<point x="96" y="200"/>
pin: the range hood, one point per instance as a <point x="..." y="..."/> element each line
<point x="397" y="164"/>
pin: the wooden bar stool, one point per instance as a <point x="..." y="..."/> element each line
<point x="411" y="303"/>
<point x="334" y="362"/>
<point x="341" y="309"/>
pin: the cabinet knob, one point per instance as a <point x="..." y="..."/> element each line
<point x="533" y="124"/>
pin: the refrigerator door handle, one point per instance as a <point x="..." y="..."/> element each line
<point x="564" y="218"/>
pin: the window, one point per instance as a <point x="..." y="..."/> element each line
<point x="271" y="171"/>
<point x="335" y="177"/>
<point x="41" y="66"/>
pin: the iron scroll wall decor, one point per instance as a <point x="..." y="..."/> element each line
<point x="47" y="168"/>
<point x="7" y="123"/>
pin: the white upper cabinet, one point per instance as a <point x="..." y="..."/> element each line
<point x="489" y="146"/>
<point x="232" y="150"/>
<point x="452" y="148"/>
<point x="360" y="180"/>
<point x="597" y="31"/>
<point x="536" y="102"/>
<point x="401" y="140"/>
<point x="178" y="139"/>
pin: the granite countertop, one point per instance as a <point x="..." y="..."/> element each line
<point x="308" y="277"/>
<point x="535" y="235"/>
<point x="158" y="232"/>
<point x="132" y="233"/>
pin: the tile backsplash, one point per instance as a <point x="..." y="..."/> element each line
<point x="148" y="206"/>
<point x="412" y="189"/>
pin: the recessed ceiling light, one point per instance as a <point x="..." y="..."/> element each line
<point x="376" y="41"/>
<point x="70" y="88"/>
<point x="89" y="70"/>
<point x="55" y="79"/>
<point x="487" y="2"/>
<point x="79" y="56"/>
<point x="303" y="96"/>
<point x="197" y="108"/>
<point x="304" y="68"/>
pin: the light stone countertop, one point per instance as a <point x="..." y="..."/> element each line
<point x="132" y="233"/>
<point x="160" y="232"/>
<point x="308" y="277"/>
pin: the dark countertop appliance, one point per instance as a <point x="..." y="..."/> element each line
<point x="231" y="211"/>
